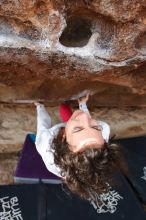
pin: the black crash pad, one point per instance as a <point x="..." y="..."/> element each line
<point x="135" y="154"/>
<point x="121" y="203"/>
<point x="27" y="202"/>
<point x="51" y="202"/>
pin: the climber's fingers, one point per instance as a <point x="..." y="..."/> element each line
<point x="84" y="99"/>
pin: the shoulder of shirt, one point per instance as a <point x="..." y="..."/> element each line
<point x="57" y="126"/>
<point x="83" y="105"/>
<point x="103" y="122"/>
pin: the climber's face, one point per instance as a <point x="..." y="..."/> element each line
<point x="82" y="132"/>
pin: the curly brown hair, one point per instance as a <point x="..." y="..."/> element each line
<point x="89" y="171"/>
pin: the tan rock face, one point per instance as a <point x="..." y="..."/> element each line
<point x="53" y="50"/>
<point x="8" y="165"/>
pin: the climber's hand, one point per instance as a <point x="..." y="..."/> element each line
<point x="37" y="104"/>
<point x="84" y="99"/>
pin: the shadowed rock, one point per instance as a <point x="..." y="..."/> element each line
<point x="47" y="44"/>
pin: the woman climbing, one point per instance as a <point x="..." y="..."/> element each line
<point x="78" y="150"/>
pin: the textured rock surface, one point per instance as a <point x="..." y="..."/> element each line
<point x="7" y="168"/>
<point x="54" y="49"/>
<point x="47" y="45"/>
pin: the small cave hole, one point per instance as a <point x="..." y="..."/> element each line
<point x="77" y="33"/>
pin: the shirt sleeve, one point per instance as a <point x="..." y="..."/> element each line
<point x="43" y="118"/>
<point x="44" y="138"/>
<point x="83" y="107"/>
<point x="105" y="130"/>
<point x="43" y="146"/>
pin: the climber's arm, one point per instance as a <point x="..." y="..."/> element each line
<point x="82" y="103"/>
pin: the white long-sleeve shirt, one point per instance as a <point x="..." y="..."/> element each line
<point x="46" y="134"/>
